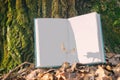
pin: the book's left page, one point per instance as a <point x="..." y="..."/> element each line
<point x="51" y="42"/>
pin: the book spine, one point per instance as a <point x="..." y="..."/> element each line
<point x="37" y="47"/>
<point x="101" y="38"/>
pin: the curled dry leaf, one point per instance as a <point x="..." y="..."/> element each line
<point x="73" y="67"/>
<point x="100" y="72"/>
<point x="107" y="78"/>
<point x="118" y="78"/>
<point x="115" y="59"/>
<point x="65" y="66"/>
<point x="117" y="69"/>
<point x="46" y="76"/>
<point x="108" y="67"/>
<point x="60" y="75"/>
<point x="33" y="74"/>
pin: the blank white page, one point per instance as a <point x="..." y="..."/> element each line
<point x="88" y="38"/>
<point x="52" y="42"/>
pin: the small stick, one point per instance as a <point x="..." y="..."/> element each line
<point x="8" y="74"/>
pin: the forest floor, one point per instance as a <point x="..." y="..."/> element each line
<point x="77" y="71"/>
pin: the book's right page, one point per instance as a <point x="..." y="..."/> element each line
<point x="88" y="37"/>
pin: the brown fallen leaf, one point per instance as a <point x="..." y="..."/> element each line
<point x="107" y="78"/>
<point x="46" y="76"/>
<point x="118" y="78"/>
<point x="100" y="72"/>
<point x="61" y="76"/>
<point x="108" y="67"/>
<point x="89" y="77"/>
<point x="117" y="68"/>
<point x="65" y="66"/>
<point x="33" y="74"/>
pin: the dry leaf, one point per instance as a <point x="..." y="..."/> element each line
<point x="100" y="72"/>
<point x="108" y="67"/>
<point x="47" y="76"/>
<point x="118" y="78"/>
<point x="33" y="74"/>
<point x="60" y="76"/>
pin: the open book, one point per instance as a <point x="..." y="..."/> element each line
<point x="77" y="39"/>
